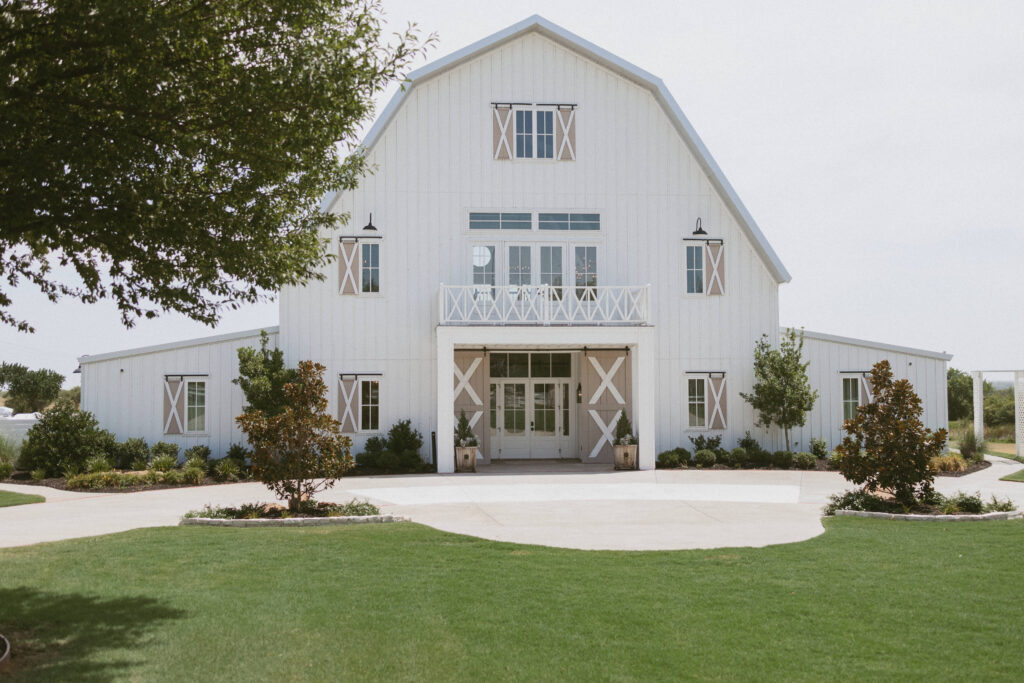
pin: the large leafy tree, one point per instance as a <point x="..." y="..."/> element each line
<point x="887" y="447"/>
<point x="173" y="153"/>
<point x="262" y="377"/>
<point x="782" y="392"/>
<point x="29" y="391"/>
<point x="301" y="450"/>
<point x="960" y="394"/>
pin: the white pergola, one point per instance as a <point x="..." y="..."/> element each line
<point x="1018" y="406"/>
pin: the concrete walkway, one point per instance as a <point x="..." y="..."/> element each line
<point x="561" y="505"/>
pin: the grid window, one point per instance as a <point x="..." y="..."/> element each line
<point x="195" y="407"/>
<point x="515" y="408"/>
<point x="586" y="273"/>
<point x="370" y="269"/>
<point x="569" y="221"/>
<point x="551" y="269"/>
<point x="500" y="221"/>
<point x="524" y="134"/>
<point x="494" y="408"/>
<point x="545" y="134"/>
<point x="519" y="273"/>
<point x="694" y="270"/>
<point x="851" y="397"/>
<point x="696" y="400"/>
<point x="483" y="268"/>
<point x="369" y="405"/>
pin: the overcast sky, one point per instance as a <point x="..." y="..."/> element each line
<point x="879" y="145"/>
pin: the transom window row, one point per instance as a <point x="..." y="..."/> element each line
<point x="524" y="221"/>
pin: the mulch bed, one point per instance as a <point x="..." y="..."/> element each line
<point x="61" y="483"/>
<point x="971" y="469"/>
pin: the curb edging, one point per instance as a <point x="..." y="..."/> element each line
<point x="292" y="521"/>
<point x="987" y="517"/>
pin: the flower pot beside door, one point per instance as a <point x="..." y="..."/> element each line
<point x="625" y="445"/>
<point x="465" y="445"/>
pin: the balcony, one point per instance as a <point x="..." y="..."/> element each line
<point x="544" y="305"/>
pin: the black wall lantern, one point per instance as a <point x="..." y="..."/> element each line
<point x="370" y="225"/>
<point x="579" y="393"/>
<point x="699" y="230"/>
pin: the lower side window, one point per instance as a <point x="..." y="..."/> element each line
<point x="195" y="406"/>
<point x="369" y="405"/>
<point x="696" y="400"/>
<point x="851" y="397"/>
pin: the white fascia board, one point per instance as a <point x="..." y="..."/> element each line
<point x="169" y="346"/>
<point x="615" y="64"/>
<point x="821" y="336"/>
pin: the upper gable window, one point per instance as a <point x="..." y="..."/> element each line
<point x="535" y="134"/>
<point x="534" y="131"/>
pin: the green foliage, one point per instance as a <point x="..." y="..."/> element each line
<point x="668" y="460"/>
<point x="756" y="455"/>
<point x="164" y="449"/>
<point x="739" y="456"/>
<point x="999" y="408"/>
<point x="704" y="458"/>
<point x="835" y="461"/>
<point x="782" y="392"/>
<point x="28" y="391"/>
<point x="163" y="463"/>
<point x="226" y="469"/>
<point x="948" y="463"/>
<point x="300" y="451"/>
<point x="1000" y="505"/>
<point x="8" y="451"/>
<point x="38" y="474"/>
<point x="73" y="395"/>
<point x="960" y="394"/>
<point x="6" y="469"/>
<point x="887" y="447"/>
<point x="706" y="443"/>
<point x="63" y="441"/>
<point x="172" y="477"/>
<point x="176" y="153"/>
<point x="353" y="508"/>
<point x="106" y="480"/>
<point x="262" y="376"/>
<point x="132" y="454"/>
<point x="402" y="438"/>
<point x="397" y="453"/>
<point x="857" y="500"/>
<point x="684" y="455"/>
<point x="195" y="462"/>
<point x="624" y="431"/>
<point x="819" y="449"/>
<point x="782" y="460"/>
<point x="239" y="454"/>
<point x="963" y="503"/>
<point x="464" y="435"/>
<point x="193" y="475"/>
<point x="804" y="461"/>
<point x="197" y="452"/>
<point x="98" y="463"/>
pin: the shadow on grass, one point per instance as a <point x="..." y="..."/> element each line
<point x="60" y="637"/>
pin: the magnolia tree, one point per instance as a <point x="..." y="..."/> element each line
<point x="782" y="393"/>
<point x="887" y="448"/>
<point x="301" y="450"/>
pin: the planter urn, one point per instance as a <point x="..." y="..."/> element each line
<point x="465" y="458"/>
<point x="625" y="457"/>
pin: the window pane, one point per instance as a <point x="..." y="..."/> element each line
<point x="195" y="407"/>
<point x="694" y="270"/>
<point x="518" y="365"/>
<point x="519" y="271"/>
<point x="586" y="272"/>
<point x="524" y="134"/>
<point x="544" y="409"/>
<point x="553" y="221"/>
<point x="565" y="406"/>
<point x="484" y="221"/>
<point x="540" y="365"/>
<point x="695" y="402"/>
<point x="516" y="221"/>
<point x="370" y="409"/>
<point x="494" y="408"/>
<point x="585" y="221"/>
<point x="370" y="275"/>
<point x="483" y="265"/>
<point x="515" y="408"/>
<point x="551" y="268"/>
<point x="561" y="365"/>
<point x="499" y="365"/>
<point x="545" y="134"/>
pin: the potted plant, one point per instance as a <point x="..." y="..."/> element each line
<point x="465" y="445"/>
<point x="625" y="444"/>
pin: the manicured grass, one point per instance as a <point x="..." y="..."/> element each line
<point x="8" y="498"/>
<point x="1015" y="476"/>
<point x="868" y="600"/>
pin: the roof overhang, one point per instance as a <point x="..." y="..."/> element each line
<point x="539" y="24"/>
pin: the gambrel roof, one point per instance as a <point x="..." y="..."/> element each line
<point x="617" y="65"/>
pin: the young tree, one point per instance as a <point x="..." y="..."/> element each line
<point x="262" y="377"/>
<point x="887" y="447"/>
<point x="29" y="391"/>
<point x="782" y="392"/>
<point x="960" y="394"/>
<point x="300" y="451"/>
<point x="173" y="154"/>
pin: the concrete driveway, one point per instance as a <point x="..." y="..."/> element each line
<point x="564" y="506"/>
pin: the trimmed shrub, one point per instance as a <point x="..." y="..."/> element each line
<point x="723" y="457"/>
<point x="163" y="463"/>
<point x="856" y="500"/>
<point x="963" y="503"/>
<point x="193" y="475"/>
<point x="819" y="449"/>
<point x="226" y="469"/>
<point x="804" y="461"/>
<point x="739" y="457"/>
<point x="162" y="449"/>
<point x="782" y="460"/>
<point x="132" y="454"/>
<point x="172" y="477"/>
<point x="702" y="442"/>
<point x="704" y="457"/>
<point x="197" y="452"/>
<point x="6" y="469"/>
<point x="195" y="463"/>
<point x="398" y="453"/>
<point x="668" y="460"/>
<point x="98" y="463"/>
<point x="38" y="474"/>
<point x="684" y="456"/>
<point x="834" y="461"/>
<point x="63" y="441"/>
<point x="107" y="480"/>
<point x="948" y="463"/>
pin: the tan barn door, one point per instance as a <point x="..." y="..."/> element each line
<point x="606" y="380"/>
<point x="470" y="382"/>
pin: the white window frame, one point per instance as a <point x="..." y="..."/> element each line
<point x="362" y="269"/>
<point x="703" y="402"/>
<point x="572" y="269"/>
<point x="700" y="247"/>
<point x="843" y="401"/>
<point x="189" y="406"/>
<point x="362" y="428"/>
<point x="534" y="135"/>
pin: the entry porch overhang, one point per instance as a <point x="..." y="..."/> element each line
<point x="639" y="340"/>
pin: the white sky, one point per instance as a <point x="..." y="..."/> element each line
<point x="879" y="145"/>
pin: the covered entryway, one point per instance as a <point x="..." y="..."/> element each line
<point x="531" y="404"/>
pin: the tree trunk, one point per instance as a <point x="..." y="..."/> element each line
<point x="786" y="432"/>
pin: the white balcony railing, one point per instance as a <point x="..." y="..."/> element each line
<point x="544" y="305"/>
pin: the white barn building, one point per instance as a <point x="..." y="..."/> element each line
<point x="533" y="260"/>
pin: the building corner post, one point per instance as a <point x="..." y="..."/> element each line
<point x="1018" y="411"/>
<point x="445" y="401"/>
<point x="979" y="406"/>
<point x="644" y="398"/>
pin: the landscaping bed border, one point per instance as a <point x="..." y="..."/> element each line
<point x="986" y="517"/>
<point x="292" y="521"/>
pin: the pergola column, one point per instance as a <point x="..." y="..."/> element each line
<point x="1018" y="402"/>
<point x="979" y="406"/>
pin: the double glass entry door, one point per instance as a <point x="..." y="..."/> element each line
<point x="530" y="418"/>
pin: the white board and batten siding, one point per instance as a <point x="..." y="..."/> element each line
<point x="831" y="358"/>
<point x="125" y="389"/>
<point x="435" y="164"/>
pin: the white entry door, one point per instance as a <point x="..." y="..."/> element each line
<point x="530" y="419"/>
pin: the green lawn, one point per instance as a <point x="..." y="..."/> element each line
<point x="1015" y="476"/>
<point x="870" y="599"/>
<point x="8" y="498"/>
